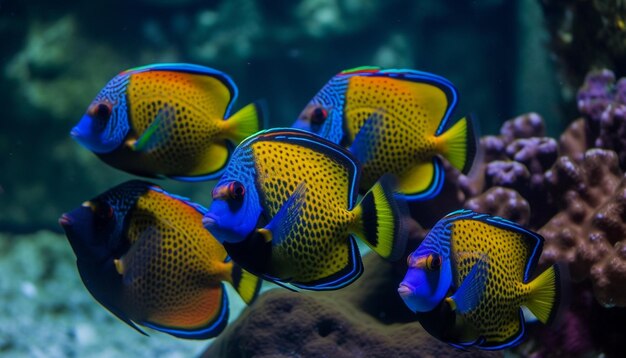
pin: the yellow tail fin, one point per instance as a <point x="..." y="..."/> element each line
<point x="380" y="220"/>
<point x="245" y="283"/>
<point x="545" y="295"/>
<point x="458" y="144"/>
<point x="244" y="123"/>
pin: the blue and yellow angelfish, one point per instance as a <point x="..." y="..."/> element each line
<point x="286" y="209"/>
<point x="170" y="119"/>
<point x="145" y="256"/>
<point x="480" y="268"/>
<point x="394" y="121"/>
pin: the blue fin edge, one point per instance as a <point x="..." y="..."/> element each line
<point x="195" y="69"/>
<point x="210" y="331"/>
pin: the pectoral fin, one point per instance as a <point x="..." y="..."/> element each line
<point x="469" y="294"/>
<point x="286" y="218"/>
<point x="155" y="134"/>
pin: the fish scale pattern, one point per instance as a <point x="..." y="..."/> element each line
<point x="190" y="108"/>
<point x="174" y="268"/>
<point x="507" y="254"/>
<point x="114" y="92"/>
<point x="332" y="97"/>
<point x="317" y="246"/>
<point x="397" y="119"/>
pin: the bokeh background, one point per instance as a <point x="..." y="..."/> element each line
<point x="505" y="57"/>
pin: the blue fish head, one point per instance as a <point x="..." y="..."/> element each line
<point x="427" y="280"/>
<point x="105" y="125"/>
<point x="95" y="229"/>
<point x="234" y="212"/>
<point x="323" y="115"/>
<point x="90" y="229"/>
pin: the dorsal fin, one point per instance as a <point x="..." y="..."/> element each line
<point x="192" y="69"/>
<point x="424" y="77"/>
<point x="185" y="200"/>
<point x="415" y="76"/>
<point x="318" y="144"/>
<point x="534" y="240"/>
<point x="360" y="69"/>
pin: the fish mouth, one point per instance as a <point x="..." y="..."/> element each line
<point x="404" y="290"/>
<point x="65" y="220"/>
<point x="209" y="221"/>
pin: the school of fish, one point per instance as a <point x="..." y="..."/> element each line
<point x="290" y="205"/>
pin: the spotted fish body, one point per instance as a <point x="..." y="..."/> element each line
<point x="305" y="189"/>
<point x="394" y="121"/>
<point x="166" y="120"/>
<point x="482" y="271"/>
<point x="146" y="257"/>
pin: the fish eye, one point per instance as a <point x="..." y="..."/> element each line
<point x="319" y="115"/>
<point x="236" y="191"/>
<point x="104" y="211"/>
<point x="434" y="262"/>
<point x="101" y="111"/>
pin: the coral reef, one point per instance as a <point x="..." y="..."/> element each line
<point x="366" y="319"/>
<point x="603" y="103"/>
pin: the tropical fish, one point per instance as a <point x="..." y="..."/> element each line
<point x="145" y="256"/>
<point x="394" y="121"/>
<point x="285" y="209"/>
<point x="473" y="272"/>
<point x="170" y="119"/>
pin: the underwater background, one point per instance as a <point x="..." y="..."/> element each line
<point x="506" y="58"/>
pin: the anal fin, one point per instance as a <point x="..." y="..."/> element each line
<point x="342" y="277"/>
<point x="423" y="181"/>
<point x="211" y="163"/>
<point x="205" y="318"/>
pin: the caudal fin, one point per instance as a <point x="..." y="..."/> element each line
<point x="545" y="295"/>
<point x="245" y="122"/>
<point x="458" y="144"/>
<point x="245" y="283"/>
<point x="380" y="219"/>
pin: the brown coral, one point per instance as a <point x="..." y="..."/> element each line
<point x="580" y="188"/>
<point x="503" y="202"/>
